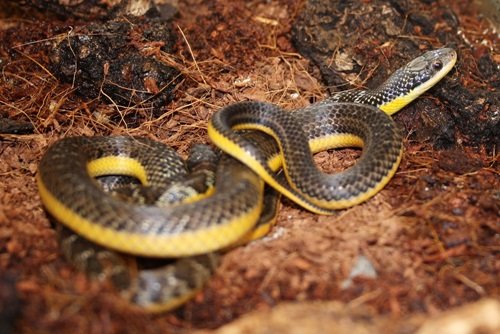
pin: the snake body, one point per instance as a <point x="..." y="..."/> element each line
<point x="67" y="188"/>
<point x="67" y="172"/>
<point x="327" y="126"/>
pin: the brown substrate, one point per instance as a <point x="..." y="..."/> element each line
<point x="431" y="234"/>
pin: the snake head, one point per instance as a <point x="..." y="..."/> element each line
<point x="415" y="78"/>
<point x="429" y="68"/>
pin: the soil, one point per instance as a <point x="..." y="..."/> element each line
<point x="431" y="236"/>
<point x="130" y="77"/>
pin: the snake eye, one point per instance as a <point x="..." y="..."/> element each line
<point x="437" y="65"/>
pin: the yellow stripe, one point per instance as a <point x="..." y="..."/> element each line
<point x="318" y="145"/>
<point x="398" y="103"/>
<point x="117" y="165"/>
<point x="275" y="162"/>
<point x="335" y="141"/>
<point x="187" y="244"/>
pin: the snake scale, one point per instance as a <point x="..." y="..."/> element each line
<point x="258" y="140"/>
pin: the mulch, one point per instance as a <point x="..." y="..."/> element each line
<point x="431" y="234"/>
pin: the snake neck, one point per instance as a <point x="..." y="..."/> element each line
<point x="391" y="96"/>
<point x="404" y="85"/>
<point x="375" y="98"/>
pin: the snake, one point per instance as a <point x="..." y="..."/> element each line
<point x="258" y="140"/>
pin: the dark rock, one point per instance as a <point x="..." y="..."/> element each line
<point x="359" y="43"/>
<point x="105" y="61"/>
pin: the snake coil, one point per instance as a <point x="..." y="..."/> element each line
<point x="67" y="172"/>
